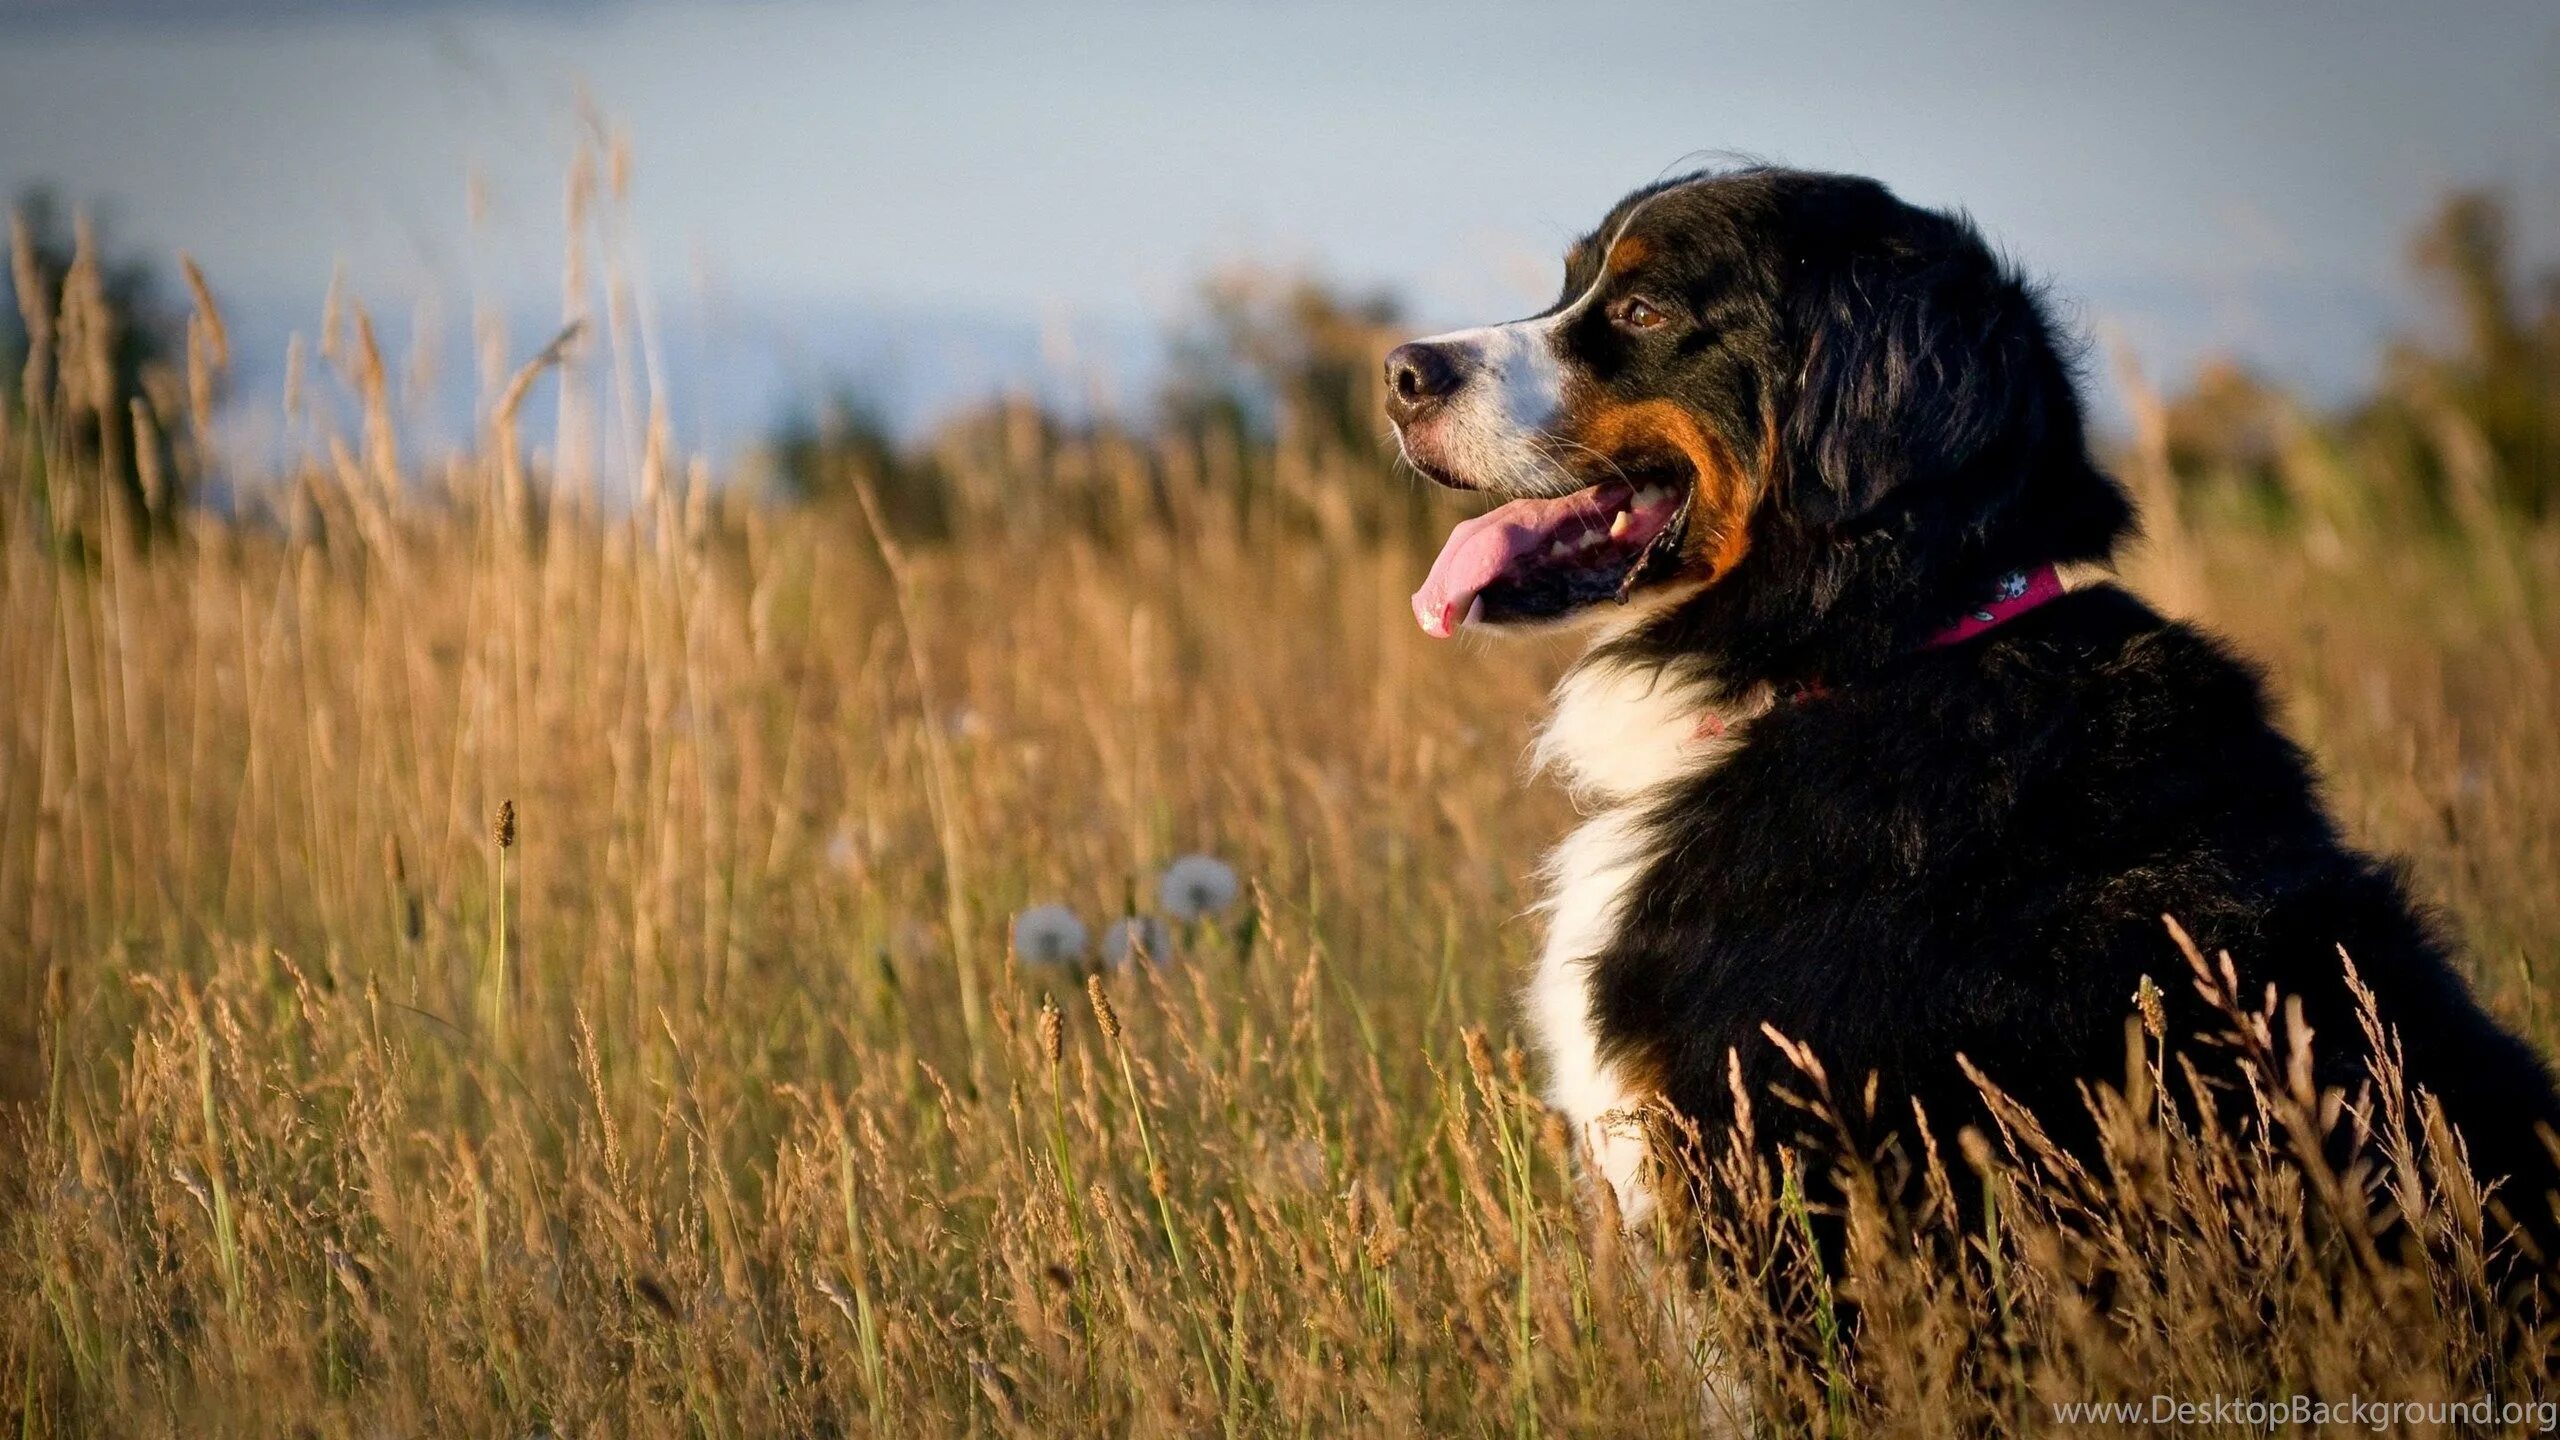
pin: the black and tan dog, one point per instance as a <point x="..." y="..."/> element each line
<point x="1858" y="767"/>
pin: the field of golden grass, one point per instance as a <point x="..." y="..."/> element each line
<point x="706" y="1095"/>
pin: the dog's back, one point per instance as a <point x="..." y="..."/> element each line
<point x="1972" y="854"/>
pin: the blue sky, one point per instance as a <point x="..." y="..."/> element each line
<point x="906" y="197"/>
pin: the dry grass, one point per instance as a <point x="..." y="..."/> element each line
<point x="715" y="1104"/>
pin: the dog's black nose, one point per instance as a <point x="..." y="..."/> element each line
<point x="1417" y="375"/>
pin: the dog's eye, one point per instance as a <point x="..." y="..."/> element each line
<point x="1637" y="313"/>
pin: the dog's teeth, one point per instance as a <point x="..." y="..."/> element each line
<point x="1618" y="528"/>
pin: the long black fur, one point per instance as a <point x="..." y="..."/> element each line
<point x="1966" y="850"/>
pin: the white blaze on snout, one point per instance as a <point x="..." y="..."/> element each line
<point x="1488" y="431"/>
<point x="1514" y="367"/>
<point x="1494" y="432"/>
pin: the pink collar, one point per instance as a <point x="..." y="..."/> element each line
<point x="2019" y="592"/>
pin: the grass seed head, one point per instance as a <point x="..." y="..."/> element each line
<point x="1103" y="1014"/>
<point x="2155" y="1015"/>
<point x="1053" y="1032"/>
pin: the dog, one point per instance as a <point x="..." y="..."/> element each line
<point x="1858" y="768"/>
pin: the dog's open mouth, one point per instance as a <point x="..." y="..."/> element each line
<point x="1537" y="559"/>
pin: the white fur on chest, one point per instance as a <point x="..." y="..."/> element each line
<point x="1619" y="735"/>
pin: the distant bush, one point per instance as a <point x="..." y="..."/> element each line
<point x="1286" y="356"/>
<point x="822" y="458"/>
<point x="2462" y="422"/>
<point x="1272" y="400"/>
<point x="92" y="343"/>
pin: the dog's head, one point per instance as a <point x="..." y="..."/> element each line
<point x="1763" y="360"/>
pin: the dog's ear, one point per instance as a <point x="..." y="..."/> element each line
<point x="1929" y="376"/>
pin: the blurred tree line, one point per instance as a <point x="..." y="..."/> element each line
<point x="1272" y="399"/>
<point x="93" y="351"/>
<point x="1272" y="395"/>
<point x="1271" y="405"/>
<point x="2461" y="425"/>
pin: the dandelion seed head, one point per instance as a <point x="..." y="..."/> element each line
<point x="1196" y="887"/>
<point x="1133" y="937"/>
<point x="1048" y="935"/>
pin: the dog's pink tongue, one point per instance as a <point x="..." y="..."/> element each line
<point x="1480" y="549"/>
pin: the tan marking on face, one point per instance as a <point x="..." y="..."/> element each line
<point x="1720" y="506"/>
<point x="1628" y="253"/>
